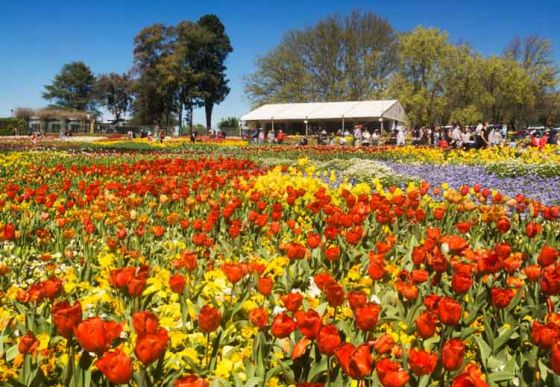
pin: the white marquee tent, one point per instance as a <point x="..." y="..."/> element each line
<point x="351" y="112"/>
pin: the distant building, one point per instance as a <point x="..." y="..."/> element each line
<point x="54" y="120"/>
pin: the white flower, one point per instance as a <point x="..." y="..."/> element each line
<point x="313" y="289"/>
<point x="375" y="299"/>
<point x="277" y="310"/>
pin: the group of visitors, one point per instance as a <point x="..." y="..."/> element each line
<point x="456" y="136"/>
<point x="217" y="133"/>
<point x="363" y="137"/>
<point x="541" y="138"/>
<point x="480" y="136"/>
<point x="258" y="136"/>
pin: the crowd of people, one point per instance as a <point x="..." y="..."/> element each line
<point x="259" y="136"/>
<point x="475" y="137"/>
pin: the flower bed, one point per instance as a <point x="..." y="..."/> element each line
<point x="160" y="269"/>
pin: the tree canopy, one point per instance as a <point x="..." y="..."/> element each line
<point x="340" y="58"/>
<point x="114" y="92"/>
<point x="360" y="56"/>
<point x="72" y="87"/>
<point x="178" y="68"/>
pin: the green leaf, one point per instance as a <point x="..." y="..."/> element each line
<point x="485" y="350"/>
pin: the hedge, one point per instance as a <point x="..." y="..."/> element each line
<point x="7" y="126"/>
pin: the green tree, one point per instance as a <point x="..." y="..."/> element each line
<point x="340" y="58"/>
<point x="213" y="85"/>
<point x="229" y="122"/>
<point x="507" y="91"/>
<point x="469" y="115"/>
<point x="72" y="87"/>
<point x="113" y="91"/>
<point x="155" y="90"/>
<point x="462" y="85"/>
<point x="420" y="84"/>
<point x="188" y="66"/>
<point x="534" y="54"/>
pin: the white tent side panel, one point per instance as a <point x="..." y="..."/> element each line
<point x="369" y="109"/>
<point x="395" y="112"/>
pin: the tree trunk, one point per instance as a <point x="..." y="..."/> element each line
<point x="208" y="106"/>
<point x="180" y="119"/>
<point x="190" y="117"/>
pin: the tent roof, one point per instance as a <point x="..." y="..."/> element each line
<point x="327" y="110"/>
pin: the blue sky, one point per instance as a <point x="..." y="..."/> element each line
<point x="38" y="37"/>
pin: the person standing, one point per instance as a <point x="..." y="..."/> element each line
<point x="358" y="136"/>
<point x="375" y="138"/>
<point x="481" y="136"/>
<point x="280" y="137"/>
<point x="400" y="135"/>
<point x="456" y="137"/>
<point x="366" y="137"/>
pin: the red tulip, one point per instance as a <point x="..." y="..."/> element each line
<point x="332" y="253"/>
<point x="322" y="279"/>
<point x="366" y="317"/>
<point x="96" y="335"/>
<point x="555" y="358"/>
<point x="391" y="374"/>
<point x="233" y="272"/>
<point x="355" y="362"/>
<point x="461" y="282"/>
<point x="449" y="311"/>
<point x="334" y="294"/>
<point x="53" y="287"/>
<point x="66" y="317"/>
<point x="308" y="323"/>
<point x="426" y="324"/>
<point x="27" y="343"/>
<point x="190" y="381"/>
<point x="282" y="326"/>
<point x="356" y="299"/>
<point x="209" y="319"/>
<point x="258" y="317"/>
<point x="264" y="286"/>
<point x="547" y="256"/>
<point x="545" y="335"/>
<point x="292" y="301"/>
<point x="177" y="283"/>
<point x="472" y="376"/>
<point x="116" y="366"/>
<point x="384" y="344"/>
<point x="503" y="225"/>
<point x="145" y="323"/>
<point x="9" y="232"/>
<point x="532" y="229"/>
<point x="532" y="272"/>
<point x="328" y="339"/>
<point x="151" y="347"/>
<point x="421" y="362"/>
<point x="452" y="354"/>
<point x="313" y="240"/>
<point x="501" y="298"/>
<point x="295" y="251"/>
